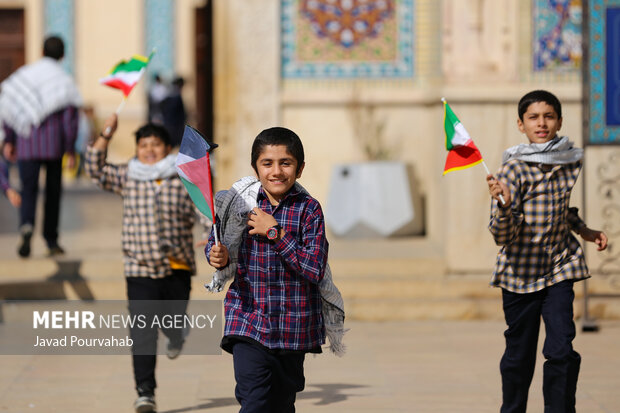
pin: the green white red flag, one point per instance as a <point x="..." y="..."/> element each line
<point x="462" y="153"/>
<point x="126" y="74"/>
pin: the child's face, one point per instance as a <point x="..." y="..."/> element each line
<point x="540" y="122"/>
<point x="150" y="150"/>
<point x="277" y="171"/>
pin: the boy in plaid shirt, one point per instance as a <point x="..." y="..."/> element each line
<point x="540" y="259"/>
<point x="158" y="252"/>
<point x="273" y="306"/>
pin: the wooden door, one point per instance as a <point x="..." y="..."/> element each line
<point x="204" y="69"/>
<point x="12" y="44"/>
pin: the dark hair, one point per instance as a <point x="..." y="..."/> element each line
<point x="54" y="47"/>
<point x="539" y="96"/>
<point x="278" y="136"/>
<point x="151" y="129"/>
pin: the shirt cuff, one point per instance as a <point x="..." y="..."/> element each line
<point x="285" y="245"/>
<point x="503" y="212"/>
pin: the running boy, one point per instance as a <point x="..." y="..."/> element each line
<point x="273" y="306"/>
<point x="158" y="216"/>
<point x="540" y="259"/>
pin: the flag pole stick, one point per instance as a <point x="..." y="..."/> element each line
<point x="118" y="111"/>
<point x="217" y="240"/>
<point x="501" y="198"/>
<point x="121" y="106"/>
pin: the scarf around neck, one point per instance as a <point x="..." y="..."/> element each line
<point x="34" y="92"/>
<point x="160" y="170"/>
<point x="557" y="151"/>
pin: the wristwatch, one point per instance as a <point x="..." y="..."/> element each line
<point x="273" y="233"/>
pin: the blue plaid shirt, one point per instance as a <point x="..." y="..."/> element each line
<point x="538" y="248"/>
<point x="274" y="298"/>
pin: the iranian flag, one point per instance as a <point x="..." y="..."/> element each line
<point x="462" y="153"/>
<point x="126" y="74"/>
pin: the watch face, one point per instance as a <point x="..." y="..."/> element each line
<point x="272" y="233"/>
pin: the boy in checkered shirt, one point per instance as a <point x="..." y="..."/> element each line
<point x="158" y="250"/>
<point x="540" y="259"/>
<point x="273" y="306"/>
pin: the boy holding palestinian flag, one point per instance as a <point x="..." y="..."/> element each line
<point x="158" y="249"/>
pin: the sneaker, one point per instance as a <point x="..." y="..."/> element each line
<point x="55" y="250"/>
<point x="145" y="404"/>
<point x="173" y="350"/>
<point x="24" y="248"/>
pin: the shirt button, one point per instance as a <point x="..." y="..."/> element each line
<point x="270" y="268"/>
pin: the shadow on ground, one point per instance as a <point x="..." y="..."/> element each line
<point x="325" y="394"/>
<point x="51" y="287"/>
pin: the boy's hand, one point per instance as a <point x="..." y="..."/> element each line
<point x="14" y="198"/>
<point x="109" y="126"/>
<point x="597" y="237"/>
<point x="260" y="221"/>
<point x="497" y="188"/>
<point x="9" y="152"/>
<point x="218" y="256"/>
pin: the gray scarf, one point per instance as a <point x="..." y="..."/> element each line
<point x="160" y="170"/>
<point x="557" y="151"/>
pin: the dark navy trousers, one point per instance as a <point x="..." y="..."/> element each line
<point x="29" y="177"/>
<point x="267" y="382"/>
<point x="172" y="294"/>
<point x="523" y="313"/>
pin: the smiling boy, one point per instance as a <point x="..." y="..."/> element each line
<point x="273" y="306"/>
<point x="158" y="251"/>
<point x="540" y="259"/>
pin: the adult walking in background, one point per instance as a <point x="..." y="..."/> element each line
<point x="39" y="112"/>
<point x="173" y="111"/>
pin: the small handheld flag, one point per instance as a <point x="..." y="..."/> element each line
<point x="462" y="153"/>
<point x="194" y="168"/>
<point x="126" y="74"/>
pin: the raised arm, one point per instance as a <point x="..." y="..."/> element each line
<point x="107" y="176"/>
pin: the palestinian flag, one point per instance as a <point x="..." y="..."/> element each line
<point x="462" y="153"/>
<point x="194" y="168"/>
<point x="126" y="74"/>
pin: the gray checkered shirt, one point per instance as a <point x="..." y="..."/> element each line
<point x="538" y="248"/>
<point x="157" y="218"/>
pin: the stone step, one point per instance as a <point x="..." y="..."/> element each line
<point x="373" y="288"/>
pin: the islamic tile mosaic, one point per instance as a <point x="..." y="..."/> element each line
<point x="59" y="21"/>
<point x="557" y="34"/>
<point x="603" y="66"/>
<point x="159" y="33"/>
<point x="347" y="38"/>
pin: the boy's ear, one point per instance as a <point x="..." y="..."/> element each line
<point x="301" y="169"/>
<point x="520" y="125"/>
<point x="559" y="124"/>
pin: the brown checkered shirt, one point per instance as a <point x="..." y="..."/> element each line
<point x="157" y="218"/>
<point x="538" y="248"/>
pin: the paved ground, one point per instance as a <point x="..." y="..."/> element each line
<point x="416" y="366"/>
<point x="422" y="366"/>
